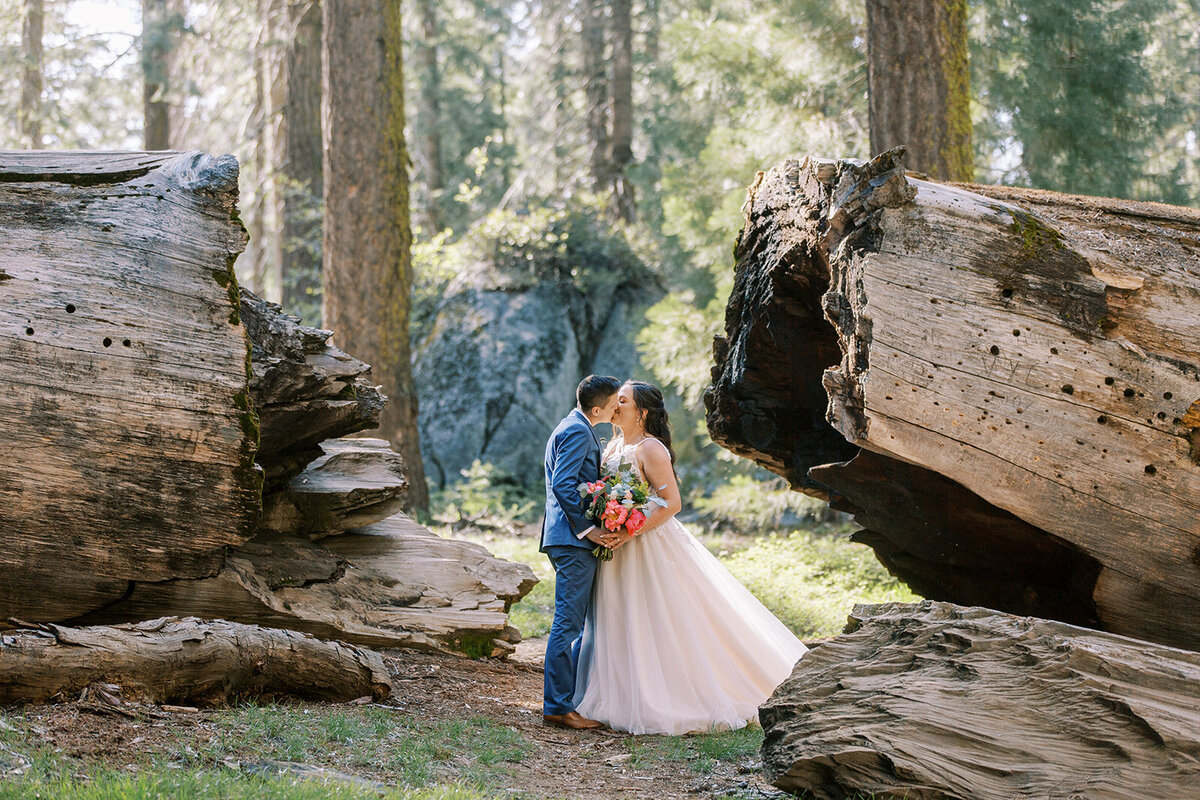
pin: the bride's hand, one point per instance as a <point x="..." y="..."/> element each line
<point x="621" y="538"/>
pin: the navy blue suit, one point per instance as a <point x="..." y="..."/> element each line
<point x="572" y="458"/>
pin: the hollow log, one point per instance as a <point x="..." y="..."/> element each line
<point x="933" y="701"/>
<point x="184" y="661"/>
<point x="1001" y="384"/>
<point x="125" y="375"/>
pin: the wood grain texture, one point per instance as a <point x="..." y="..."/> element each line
<point x="188" y="661"/>
<point x="1041" y="351"/>
<point x="390" y="584"/>
<point x="126" y="436"/>
<point x="933" y="701"/>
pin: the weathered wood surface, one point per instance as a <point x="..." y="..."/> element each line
<point x="354" y="482"/>
<point x="390" y="584"/>
<point x="125" y="376"/>
<point x="939" y="702"/>
<point x="303" y="388"/>
<point x="1040" y="351"/>
<point x="185" y="661"/>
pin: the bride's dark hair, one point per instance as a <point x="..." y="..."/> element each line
<point x="649" y="399"/>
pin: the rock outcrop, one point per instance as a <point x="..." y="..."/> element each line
<point x="513" y="335"/>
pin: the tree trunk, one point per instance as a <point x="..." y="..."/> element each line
<point x="299" y="170"/>
<point x="429" y="115"/>
<point x="125" y="424"/>
<point x="620" y="154"/>
<point x="187" y="661"/>
<point x="1020" y="370"/>
<point x="918" y="82"/>
<point x="158" y="26"/>
<point x="367" y="270"/>
<point x="596" y="88"/>
<point x="934" y="701"/>
<point x="29" y="112"/>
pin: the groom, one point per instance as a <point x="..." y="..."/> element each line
<point x="568" y="538"/>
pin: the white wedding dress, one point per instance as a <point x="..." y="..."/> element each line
<point x="674" y="643"/>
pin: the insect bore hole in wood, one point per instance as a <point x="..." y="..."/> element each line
<point x="29" y="331"/>
<point x="107" y="342"/>
<point x="70" y="308"/>
<point x="126" y="342"/>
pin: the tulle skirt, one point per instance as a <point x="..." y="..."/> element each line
<point x="675" y="644"/>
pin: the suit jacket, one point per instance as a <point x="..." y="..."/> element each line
<point x="572" y="458"/>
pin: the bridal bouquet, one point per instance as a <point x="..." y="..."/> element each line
<point x="617" y="501"/>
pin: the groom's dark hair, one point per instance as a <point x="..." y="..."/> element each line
<point x="594" y="390"/>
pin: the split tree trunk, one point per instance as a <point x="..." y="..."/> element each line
<point x="1020" y="369"/>
<point x="125" y="423"/>
<point x="185" y="661"/>
<point x="935" y="701"/>
<point x="919" y="84"/>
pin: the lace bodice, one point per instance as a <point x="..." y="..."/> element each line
<point x="619" y="453"/>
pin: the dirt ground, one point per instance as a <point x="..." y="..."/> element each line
<point x="560" y="763"/>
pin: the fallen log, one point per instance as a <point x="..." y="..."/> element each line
<point x="1001" y="384"/>
<point x="133" y="466"/>
<point x="932" y="701"/>
<point x="125" y="376"/>
<point x="185" y="661"/>
<point x="390" y="584"/>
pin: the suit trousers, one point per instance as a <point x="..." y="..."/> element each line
<point x="575" y="573"/>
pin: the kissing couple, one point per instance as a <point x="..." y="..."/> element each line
<point x="661" y="638"/>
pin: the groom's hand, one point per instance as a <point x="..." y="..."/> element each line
<point x="599" y="536"/>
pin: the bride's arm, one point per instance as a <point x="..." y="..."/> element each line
<point x="655" y="462"/>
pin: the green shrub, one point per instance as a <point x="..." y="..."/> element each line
<point x="748" y="506"/>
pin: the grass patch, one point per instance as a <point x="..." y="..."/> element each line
<point x="163" y="782"/>
<point x="418" y="760"/>
<point x="811" y="582"/>
<point x="702" y="751"/>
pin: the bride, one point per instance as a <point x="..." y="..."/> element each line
<point x="674" y="643"/>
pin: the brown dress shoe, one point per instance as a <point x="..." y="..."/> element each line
<point x="573" y="720"/>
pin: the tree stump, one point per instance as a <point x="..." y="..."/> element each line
<point x="1003" y="385"/>
<point x="938" y="702"/>
<point x="128" y="440"/>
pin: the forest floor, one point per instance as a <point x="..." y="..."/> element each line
<point x="453" y="728"/>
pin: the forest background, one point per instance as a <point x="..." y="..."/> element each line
<point x="638" y="123"/>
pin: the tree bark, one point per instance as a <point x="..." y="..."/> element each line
<point x="596" y="92"/>
<point x="127" y="433"/>
<point x="32" y="73"/>
<point x="185" y="661"/>
<point x="158" y="25"/>
<point x="429" y="115"/>
<point x="935" y="701"/>
<point x="1016" y="367"/>
<point x="620" y="153"/>
<point x="367" y="266"/>
<point x="918" y="84"/>
<point x="300" y="166"/>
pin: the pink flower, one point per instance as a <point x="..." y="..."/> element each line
<point x="635" y="522"/>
